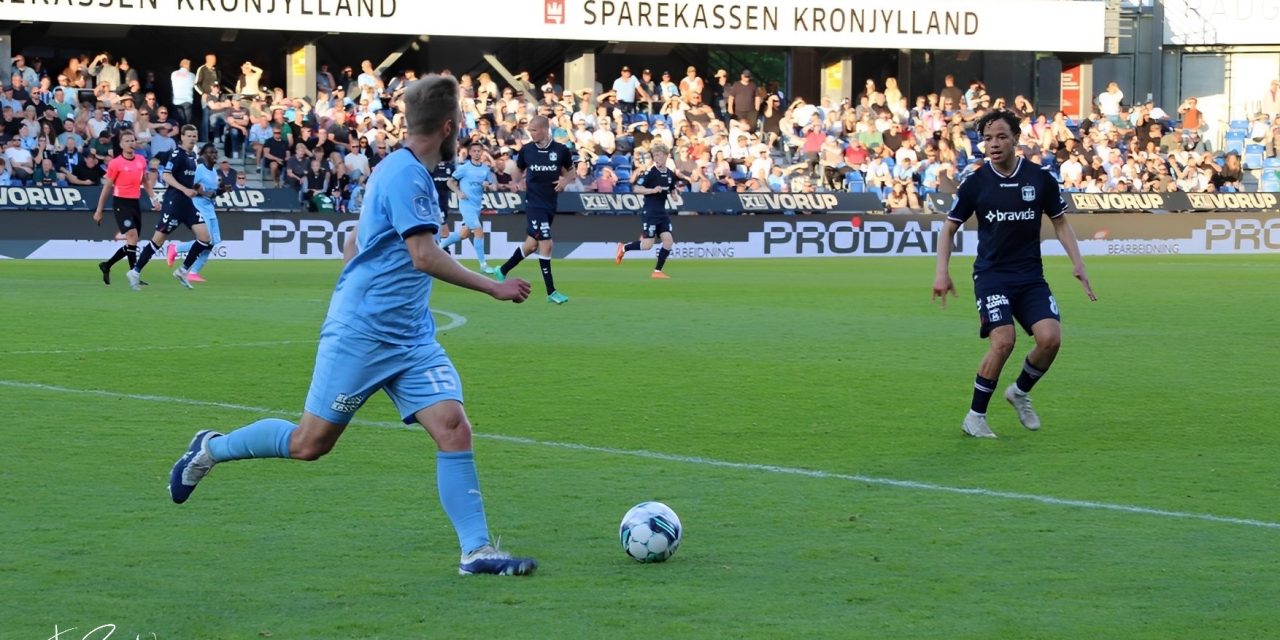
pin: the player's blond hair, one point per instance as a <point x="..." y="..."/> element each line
<point x="429" y="102"/>
<point x="660" y="148"/>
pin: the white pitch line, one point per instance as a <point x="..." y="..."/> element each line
<point x="455" y="321"/>
<point x="711" y="462"/>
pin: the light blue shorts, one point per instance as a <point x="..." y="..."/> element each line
<point x="351" y="366"/>
<point x="470" y="218"/>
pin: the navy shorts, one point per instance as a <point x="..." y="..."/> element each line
<point x="1000" y="303"/>
<point x="654" y="227"/>
<point x="539" y="224"/>
<point x="176" y="213"/>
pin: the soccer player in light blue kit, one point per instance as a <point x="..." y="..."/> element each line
<point x="208" y="186"/>
<point x="470" y="180"/>
<point x="379" y="335"/>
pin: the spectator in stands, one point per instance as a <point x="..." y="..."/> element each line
<point x="6" y="179"/>
<point x="275" y="151"/>
<point x="250" y="82"/>
<point x="1109" y="102"/>
<point x="742" y="100"/>
<point x="295" y="172"/>
<point x="1271" y="100"/>
<point x="582" y="179"/>
<point x="1230" y="175"/>
<point x="46" y="175"/>
<point x="316" y="183"/>
<point x="88" y="172"/>
<point x="227" y="175"/>
<point x="1192" y="119"/>
<point x="183" y="82"/>
<point x="21" y="162"/>
<point x="627" y="89"/>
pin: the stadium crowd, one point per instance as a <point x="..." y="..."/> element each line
<point x="727" y="134"/>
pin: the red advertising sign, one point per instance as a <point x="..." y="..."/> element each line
<point x="1071" y="92"/>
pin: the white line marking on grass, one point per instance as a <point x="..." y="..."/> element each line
<point x="156" y="347"/>
<point x="711" y="462"/>
<point x="455" y="321"/>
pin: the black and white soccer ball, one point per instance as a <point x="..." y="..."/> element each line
<point x="650" y="532"/>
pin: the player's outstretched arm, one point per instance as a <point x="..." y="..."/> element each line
<point x="429" y="258"/>
<point x="942" y="283"/>
<point x="1067" y="236"/>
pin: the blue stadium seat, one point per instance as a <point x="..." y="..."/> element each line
<point x="854" y="183"/>
<point x="1235" y="142"/>
<point x="602" y="160"/>
<point x="620" y="161"/>
<point x="622" y="187"/>
<point x="1270" y="182"/>
<point x="1253" y="156"/>
<point x="1271" y="163"/>
<point x="1238" y="125"/>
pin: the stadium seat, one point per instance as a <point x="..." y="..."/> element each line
<point x="1253" y="156"/>
<point x="1271" y="163"/>
<point x="602" y="161"/>
<point x="854" y="183"/>
<point x="1270" y="182"/>
<point x="620" y="161"/>
<point x="1235" y="142"/>
<point x="622" y="186"/>
<point x="1238" y="125"/>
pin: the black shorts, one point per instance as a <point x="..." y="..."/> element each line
<point x="128" y="214"/>
<point x="539" y="224"/>
<point x="1000" y="303"/>
<point x="176" y="213"/>
<point x="654" y="227"/>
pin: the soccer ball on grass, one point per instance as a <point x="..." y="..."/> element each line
<point x="650" y="532"/>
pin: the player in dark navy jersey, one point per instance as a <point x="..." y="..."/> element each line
<point x="1008" y="196"/>
<point x="655" y="185"/>
<point x="545" y="167"/>
<point x="178" y="209"/>
<point x="440" y="176"/>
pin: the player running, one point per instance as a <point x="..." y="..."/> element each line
<point x="544" y="169"/>
<point x="470" y="180"/>
<point x="209" y="186"/>
<point x="379" y="335"/>
<point x="180" y="175"/>
<point x="126" y="179"/>
<point x="1009" y="196"/>
<point x="655" y="185"/>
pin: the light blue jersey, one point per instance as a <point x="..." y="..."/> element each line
<point x="207" y="178"/>
<point x="380" y="293"/>
<point x="471" y="178"/>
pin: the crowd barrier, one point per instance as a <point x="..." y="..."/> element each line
<point x="65" y="235"/>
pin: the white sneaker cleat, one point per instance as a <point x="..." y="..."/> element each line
<point x="976" y="425"/>
<point x="1022" y="404"/>
<point x="181" y="275"/>
<point x="135" y="279"/>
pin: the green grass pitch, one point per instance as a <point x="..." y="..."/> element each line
<point x="801" y="416"/>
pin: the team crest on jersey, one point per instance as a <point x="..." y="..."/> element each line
<point x="552" y="156"/>
<point x="1029" y="193"/>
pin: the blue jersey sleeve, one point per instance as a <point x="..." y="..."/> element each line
<point x="415" y="208"/>
<point x="521" y="163"/>
<point x="966" y="200"/>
